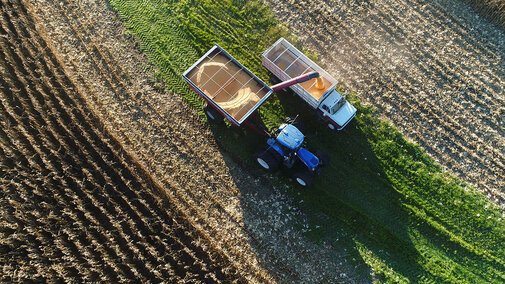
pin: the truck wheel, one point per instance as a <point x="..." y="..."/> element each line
<point x="212" y="114"/>
<point x="303" y="178"/>
<point x="267" y="161"/>
<point x="324" y="159"/>
<point x="331" y="126"/>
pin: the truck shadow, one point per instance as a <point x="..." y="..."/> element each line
<point x="350" y="216"/>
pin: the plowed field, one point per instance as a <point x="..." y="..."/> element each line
<point x="435" y="69"/>
<point x="76" y="205"/>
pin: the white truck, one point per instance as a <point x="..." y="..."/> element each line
<point x="285" y="62"/>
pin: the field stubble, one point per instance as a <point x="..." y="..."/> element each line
<point x="436" y="70"/>
<point x="190" y="220"/>
<point x="75" y="206"/>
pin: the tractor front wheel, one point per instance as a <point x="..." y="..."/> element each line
<point x="303" y="178"/>
<point x="324" y="159"/>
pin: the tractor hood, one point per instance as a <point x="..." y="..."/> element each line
<point x="290" y="136"/>
<point x="308" y="158"/>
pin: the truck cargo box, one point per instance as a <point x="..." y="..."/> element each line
<point x="227" y="85"/>
<point x="286" y="62"/>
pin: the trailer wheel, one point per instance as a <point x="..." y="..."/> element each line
<point x="331" y="126"/>
<point x="324" y="159"/>
<point x="303" y="178"/>
<point x="267" y="161"/>
<point x="212" y="113"/>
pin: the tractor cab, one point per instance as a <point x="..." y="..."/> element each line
<point x="287" y="148"/>
<point x="289" y="136"/>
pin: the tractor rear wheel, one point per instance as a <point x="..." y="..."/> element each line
<point x="303" y="178"/>
<point x="267" y="161"/>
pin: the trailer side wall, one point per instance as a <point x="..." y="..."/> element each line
<point x="285" y="61"/>
<point x="227" y="85"/>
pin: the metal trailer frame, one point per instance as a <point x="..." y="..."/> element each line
<point x="311" y="66"/>
<point x="210" y="101"/>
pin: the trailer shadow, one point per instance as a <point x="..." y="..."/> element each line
<point x="351" y="215"/>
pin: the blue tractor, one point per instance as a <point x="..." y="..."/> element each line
<point x="286" y="147"/>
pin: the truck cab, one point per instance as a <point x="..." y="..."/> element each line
<point x="336" y="111"/>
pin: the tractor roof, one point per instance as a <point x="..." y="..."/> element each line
<point x="290" y="137"/>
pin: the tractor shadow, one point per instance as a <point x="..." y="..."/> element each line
<point x="351" y="213"/>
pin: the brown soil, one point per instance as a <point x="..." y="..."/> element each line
<point x="105" y="176"/>
<point x="434" y="68"/>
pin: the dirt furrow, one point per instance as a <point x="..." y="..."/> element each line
<point x="126" y="209"/>
<point x="170" y="186"/>
<point x="60" y="137"/>
<point x="47" y="180"/>
<point x="56" y="168"/>
<point x="76" y="238"/>
<point x="41" y="239"/>
<point x="76" y="119"/>
<point x="61" y="218"/>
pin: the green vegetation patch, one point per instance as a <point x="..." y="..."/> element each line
<point x="382" y="200"/>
